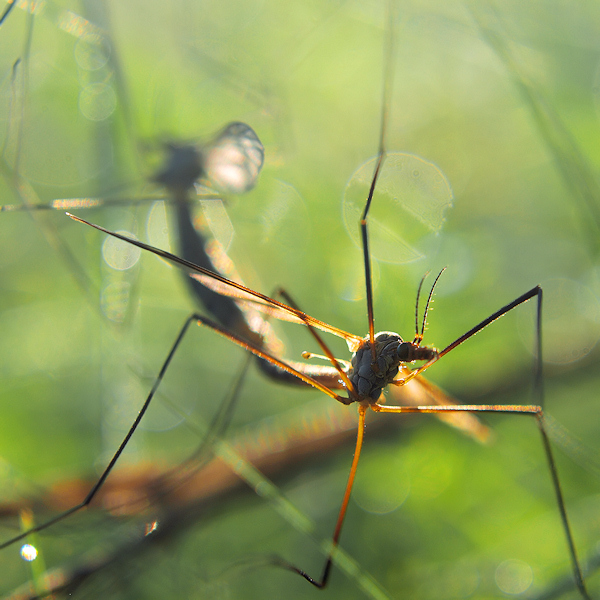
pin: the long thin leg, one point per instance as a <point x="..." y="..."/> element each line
<point x="197" y="460"/>
<point x="274" y="360"/>
<point x="342" y="374"/>
<point x="535" y="410"/>
<point x="322" y="582"/>
<point x="221" y="330"/>
<point x="536" y="291"/>
<point x="385" y="108"/>
<point x="115" y="458"/>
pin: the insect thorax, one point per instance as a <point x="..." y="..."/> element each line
<point x="184" y="165"/>
<point x="370" y="377"/>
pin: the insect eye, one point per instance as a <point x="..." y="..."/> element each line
<point x="405" y="352"/>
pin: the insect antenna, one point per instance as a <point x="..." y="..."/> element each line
<point x="418" y="337"/>
<point x="427" y="305"/>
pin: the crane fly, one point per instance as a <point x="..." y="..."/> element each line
<point x="378" y="360"/>
<point x="248" y="299"/>
<point x="230" y="162"/>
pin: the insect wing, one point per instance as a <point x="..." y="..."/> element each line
<point x="233" y="161"/>
<point x="272" y="307"/>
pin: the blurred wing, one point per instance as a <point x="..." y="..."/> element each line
<point x="226" y="287"/>
<point x="420" y="392"/>
<point x="271" y="307"/>
<point x="233" y="160"/>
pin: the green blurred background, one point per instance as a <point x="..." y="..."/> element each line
<point x="502" y="98"/>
